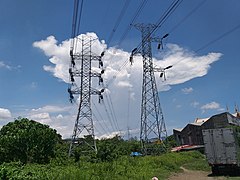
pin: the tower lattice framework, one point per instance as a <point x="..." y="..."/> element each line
<point x="153" y="129"/>
<point x="80" y="73"/>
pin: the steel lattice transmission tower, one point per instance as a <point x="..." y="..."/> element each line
<point x="153" y="127"/>
<point x="81" y="73"/>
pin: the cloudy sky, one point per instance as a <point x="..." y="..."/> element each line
<point x="202" y="46"/>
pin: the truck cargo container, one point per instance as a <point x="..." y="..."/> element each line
<point x="222" y="150"/>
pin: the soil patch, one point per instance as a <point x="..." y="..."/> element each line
<point x="194" y="175"/>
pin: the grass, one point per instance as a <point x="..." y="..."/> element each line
<point x="123" y="168"/>
<point x="198" y="163"/>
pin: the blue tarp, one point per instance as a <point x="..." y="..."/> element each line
<point x="135" y="154"/>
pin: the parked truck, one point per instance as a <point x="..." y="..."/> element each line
<point x="222" y="150"/>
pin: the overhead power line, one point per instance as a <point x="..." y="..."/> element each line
<point x="118" y="21"/>
<point x="125" y="63"/>
<point x="167" y="13"/>
<point x="112" y="111"/>
<point x="97" y="120"/>
<point x="129" y="27"/>
<point x="110" y="119"/>
<point x="76" y="22"/>
<point x="105" y="128"/>
<point x="214" y="40"/>
<point x="80" y="17"/>
<point x="187" y="16"/>
<point x="218" y="38"/>
<point x="75" y="18"/>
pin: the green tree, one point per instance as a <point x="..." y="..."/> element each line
<point x="113" y="148"/>
<point x="27" y="141"/>
<point x="170" y="142"/>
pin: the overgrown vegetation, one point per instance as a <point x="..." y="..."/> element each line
<point x="125" y="167"/>
<point x="43" y="155"/>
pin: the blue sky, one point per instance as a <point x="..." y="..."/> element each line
<point x="34" y="47"/>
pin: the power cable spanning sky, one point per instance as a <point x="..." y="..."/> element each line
<point x="202" y="47"/>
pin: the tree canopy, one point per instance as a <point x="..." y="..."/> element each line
<point x="27" y="141"/>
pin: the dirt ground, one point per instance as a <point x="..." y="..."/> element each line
<point x="194" y="175"/>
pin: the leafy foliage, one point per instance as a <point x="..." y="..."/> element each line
<point x="27" y="141"/>
<point x="170" y="141"/>
<point x="110" y="149"/>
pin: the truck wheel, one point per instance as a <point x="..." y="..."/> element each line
<point x="215" y="170"/>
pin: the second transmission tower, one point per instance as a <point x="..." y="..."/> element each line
<point x="153" y="129"/>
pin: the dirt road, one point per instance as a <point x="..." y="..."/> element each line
<point x="194" y="175"/>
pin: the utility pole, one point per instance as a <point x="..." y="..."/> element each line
<point x="80" y="73"/>
<point x="128" y="133"/>
<point x="153" y="129"/>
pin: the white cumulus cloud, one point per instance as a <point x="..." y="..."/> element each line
<point x="186" y="65"/>
<point x="195" y="104"/>
<point x="5" y="113"/>
<point x="41" y="117"/>
<point x="61" y="118"/>
<point x="187" y="90"/>
<point x="52" y="109"/>
<point x="212" y="106"/>
<point x="3" y="65"/>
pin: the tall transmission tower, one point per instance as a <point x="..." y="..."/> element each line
<point x="153" y="129"/>
<point x="81" y="73"/>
